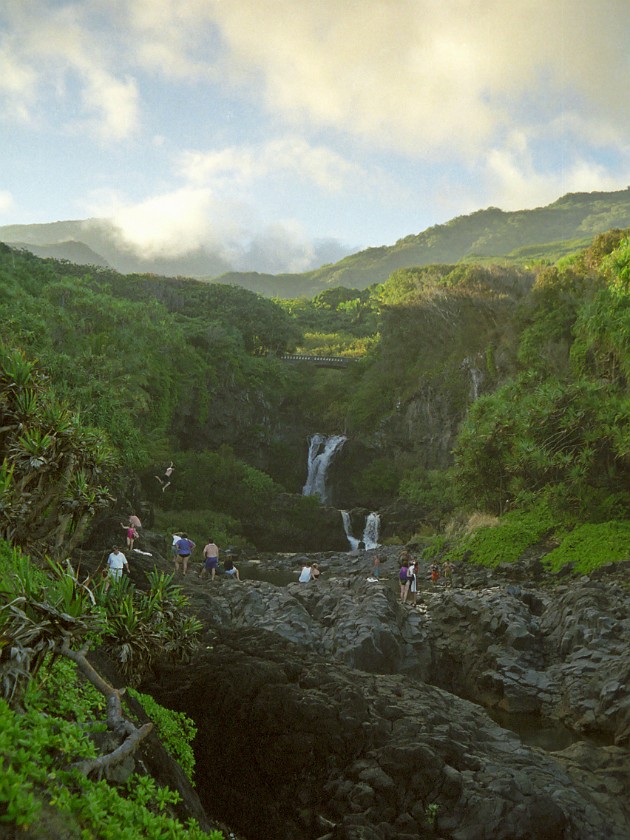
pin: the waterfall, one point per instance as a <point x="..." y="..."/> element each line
<point x="370" y="534"/>
<point x="476" y="377"/>
<point x="347" y="526"/>
<point x="321" y="451"/>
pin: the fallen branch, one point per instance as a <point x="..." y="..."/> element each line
<point x="115" y="720"/>
<point x="129" y="746"/>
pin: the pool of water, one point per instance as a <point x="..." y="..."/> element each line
<point x="534" y="731"/>
<point x="279" y="577"/>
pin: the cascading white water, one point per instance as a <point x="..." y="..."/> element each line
<point x="370" y="532"/>
<point x="347" y="526"/>
<point x="321" y="451"/>
<point x="372" y="527"/>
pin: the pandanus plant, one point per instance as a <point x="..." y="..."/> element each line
<point x="53" y="469"/>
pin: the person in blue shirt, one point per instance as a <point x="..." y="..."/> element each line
<point x="185" y="548"/>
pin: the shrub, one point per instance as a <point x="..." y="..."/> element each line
<point x="175" y="730"/>
<point x="592" y="545"/>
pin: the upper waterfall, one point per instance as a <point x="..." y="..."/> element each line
<point x="321" y="451"/>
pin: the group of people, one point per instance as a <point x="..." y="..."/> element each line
<point x="408" y="576"/>
<point x="182" y="549"/>
<point x="117" y="561"/>
<point x="310" y="571"/>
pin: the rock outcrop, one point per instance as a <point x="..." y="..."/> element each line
<point x="330" y="710"/>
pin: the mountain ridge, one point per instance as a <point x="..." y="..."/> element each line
<point x="563" y="226"/>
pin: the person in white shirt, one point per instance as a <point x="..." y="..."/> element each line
<point x="305" y="574"/>
<point x="116" y="562"/>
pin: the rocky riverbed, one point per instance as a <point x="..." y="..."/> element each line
<point x="330" y="710"/>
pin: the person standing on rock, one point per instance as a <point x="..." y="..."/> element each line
<point x="376" y="567"/>
<point x="131" y="533"/>
<point x="447" y="571"/>
<point x="210" y="560"/>
<point x="403" y="578"/>
<point x="185" y="548"/>
<point x="435" y="572"/>
<point x="412" y="574"/>
<point x="116" y="562"/>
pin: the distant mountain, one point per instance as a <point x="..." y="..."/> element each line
<point x="74" y="252"/>
<point x="103" y="239"/>
<point x="518" y="236"/>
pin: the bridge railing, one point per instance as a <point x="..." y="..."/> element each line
<point x="336" y="361"/>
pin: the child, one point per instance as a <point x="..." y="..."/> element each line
<point x="132" y="534"/>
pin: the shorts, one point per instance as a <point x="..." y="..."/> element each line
<point x="211" y="563"/>
<point x="183" y="556"/>
<point x="116" y="573"/>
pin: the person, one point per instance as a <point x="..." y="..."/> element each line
<point x="230" y="570"/>
<point x="315" y="573"/>
<point x="376" y="566"/>
<point x="116" y="562"/>
<point x="185" y="548"/>
<point x="403" y="578"/>
<point x="132" y="534"/>
<point x="210" y="559"/>
<point x="305" y="574"/>
<point x="447" y="571"/>
<point x="176" y="538"/>
<point x="168" y="472"/>
<point x="435" y="572"/>
<point x="412" y="574"/>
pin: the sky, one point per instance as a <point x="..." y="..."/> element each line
<point x="295" y="131"/>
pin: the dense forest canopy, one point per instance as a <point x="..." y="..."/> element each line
<point x="487" y="411"/>
<point x="522" y="370"/>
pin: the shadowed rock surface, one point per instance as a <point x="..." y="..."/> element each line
<point x="330" y="710"/>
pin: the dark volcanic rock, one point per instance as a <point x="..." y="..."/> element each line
<point x="293" y="746"/>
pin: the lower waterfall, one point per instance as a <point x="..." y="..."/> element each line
<point x="370" y="531"/>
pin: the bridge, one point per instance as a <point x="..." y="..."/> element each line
<point x="319" y="361"/>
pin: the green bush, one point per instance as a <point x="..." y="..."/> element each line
<point x="38" y="784"/>
<point x="506" y="542"/>
<point x="175" y="730"/>
<point x="591" y="545"/>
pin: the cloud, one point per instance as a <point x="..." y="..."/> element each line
<point x="421" y="77"/>
<point x="181" y="222"/>
<point x="57" y="53"/>
<point x="170" y="224"/>
<point x="289" y="155"/>
<point x="6" y="201"/>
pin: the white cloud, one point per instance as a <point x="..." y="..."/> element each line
<point x="423" y="77"/>
<point x="49" y="50"/>
<point x="510" y="174"/>
<point x="6" y="201"/>
<point x="167" y="225"/>
<point x="292" y="155"/>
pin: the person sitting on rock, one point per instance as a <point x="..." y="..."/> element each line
<point x="315" y="573"/>
<point x="305" y="574"/>
<point x="230" y="571"/>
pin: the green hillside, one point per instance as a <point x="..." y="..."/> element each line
<point x="545" y="233"/>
